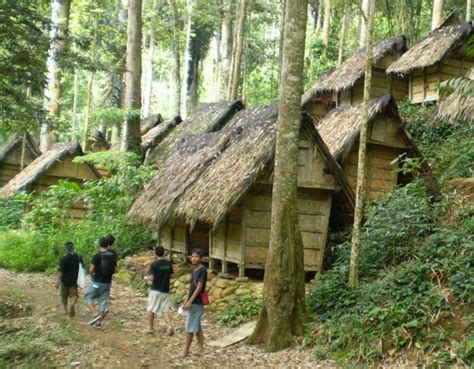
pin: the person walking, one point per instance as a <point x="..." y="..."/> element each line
<point x="158" y="298"/>
<point x="194" y="304"/>
<point x="103" y="266"/>
<point x="67" y="278"/>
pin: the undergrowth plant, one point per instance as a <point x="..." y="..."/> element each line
<point x="241" y="310"/>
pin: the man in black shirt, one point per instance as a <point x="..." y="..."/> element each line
<point x="102" y="268"/>
<point x="194" y="304"/>
<point x="158" y="299"/>
<point x="67" y="279"/>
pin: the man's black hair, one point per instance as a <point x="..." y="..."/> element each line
<point x="111" y="239"/>
<point x="104" y="242"/>
<point x="159" y="251"/>
<point x="69" y="246"/>
<point x="198" y="251"/>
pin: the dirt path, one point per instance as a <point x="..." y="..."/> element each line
<point x="123" y="341"/>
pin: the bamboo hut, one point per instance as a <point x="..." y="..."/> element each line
<point x="11" y="153"/>
<point x="345" y="84"/>
<point x="207" y="118"/>
<point x="48" y="169"/>
<point x="387" y="140"/>
<point x="438" y="57"/>
<point x="215" y="192"/>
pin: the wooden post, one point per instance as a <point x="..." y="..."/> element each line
<point x="171" y="240"/>
<point x="243" y="237"/>
<point x="187" y="233"/>
<point x="424" y="86"/>
<point x="226" y="234"/>
<point x="212" y="263"/>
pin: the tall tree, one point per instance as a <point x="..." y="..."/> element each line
<point x="283" y="308"/>
<point x="149" y="65"/>
<point x="345" y="25"/>
<point x="237" y="50"/>
<point x="59" y="29"/>
<point x="176" y="57"/>
<point x="437" y="14"/>
<point x="225" y="48"/>
<point x="361" y="169"/>
<point x="326" y="25"/>
<point x="363" y="22"/>
<point x="468" y="10"/>
<point x="132" y="102"/>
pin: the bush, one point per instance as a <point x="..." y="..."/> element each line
<point x="241" y="310"/>
<point x="11" y="212"/>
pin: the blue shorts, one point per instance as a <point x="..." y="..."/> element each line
<point x="193" y="322"/>
<point x="100" y="292"/>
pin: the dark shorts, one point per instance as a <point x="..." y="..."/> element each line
<point x="66" y="292"/>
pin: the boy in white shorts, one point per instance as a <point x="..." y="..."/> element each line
<point x="158" y="299"/>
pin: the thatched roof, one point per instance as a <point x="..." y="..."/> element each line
<point x="433" y="48"/>
<point x="155" y="135"/>
<point x="209" y="174"/>
<point x="459" y="104"/>
<point x="207" y="118"/>
<point x="352" y="69"/>
<point x="14" y="141"/>
<point x="150" y="122"/>
<point x="40" y="165"/>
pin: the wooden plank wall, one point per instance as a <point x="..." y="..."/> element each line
<point x="10" y="166"/>
<point x="227" y="237"/>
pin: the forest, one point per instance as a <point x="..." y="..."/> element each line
<point x="319" y="152"/>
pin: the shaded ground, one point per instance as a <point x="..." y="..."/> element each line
<point x="123" y="341"/>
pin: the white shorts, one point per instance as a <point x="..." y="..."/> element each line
<point x="158" y="302"/>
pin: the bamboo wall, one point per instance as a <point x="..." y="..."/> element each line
<point x="423" y="84"/>
<point x="11" y="164"/>
<point x="66" y="169"/>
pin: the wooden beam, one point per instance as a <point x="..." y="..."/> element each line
<point x="243" y="239"/>
<point x="226" y="233"/>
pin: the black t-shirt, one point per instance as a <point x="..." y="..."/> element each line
<point x="161" y="271"/>
<point x="199" y="275"/>
<point x="69" y="268"/>
<point x="99" y="276"/>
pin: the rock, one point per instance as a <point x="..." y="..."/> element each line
<point x="242" y="279"/>
<point x="230" y="298"/>
<point x="229" y="290"/>
<point x="210" y="283"/>
<point x="177" y="284"/>
<point x="243" y="291"/>
<point x="148" y="263"/>
<point x="222" y="283"/>
<point x="216" y="292"/>
<point x="185" y="278"/>
<point x="221" y="306"/>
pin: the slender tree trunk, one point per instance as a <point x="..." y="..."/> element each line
<point x="191" y="64"/>
<point x="225" y="49"/>
<point x="345" y="24"/>
<point x="74" y="101"/>
<point x="468" y="10"/>
<point x="326" y="25"/>
<point x="319" y="17"/>
<point x="237" y="51"/>
<point x="59" y="28"/>
<point x="282" y="33"/>
<point x="283" y="311"/>
<point x="176" y="60"/>
<point x="363" y="22"/>
<point x="437" y="14"/>
<point x="149" y="72"/>
<point x="131" y="131"/>
<point x="388" y="11"/>
<point x="361" y="169"/>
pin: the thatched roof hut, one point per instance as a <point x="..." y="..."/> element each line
<point x="223" y="179"/>
<point x="345" y="84"/>
<point x="207" y="118"/>
<point x="52" y="165"/>
<point x="156" y="134"/>
<point x="438" y="57"/>
<point x="458" y="104"/>
<point x="387" y="140"/>
<point x="11" y="156"/>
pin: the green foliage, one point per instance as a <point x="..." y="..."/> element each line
<point x="11" y="211"/>
<point x="414" y="271"/>
<point x="48" y="225"/>
<point x="243" y="309"/>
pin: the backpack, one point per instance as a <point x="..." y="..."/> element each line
<point x="107" y="263"/>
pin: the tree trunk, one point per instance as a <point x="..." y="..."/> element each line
<point x="363" y="22"/>
<point x="282" y="33"/>
<point x="345" y="24"/>
<point x="74" y="100"/>
<point x="176" y="60"/>
<point x="437" y="14"/>
<point x="191" y="64"/>
<point x="283" y="311"/>
<point x="225" y="48"/>
<point x="319" y="17"/>
<point x="326" y="24"/>
<point x="132" y="102"/>
<point x="361" y="169"/>
<point x="468" y="10"/>
<point x="149" y="72"/>
<point x="237" y="51"/>
<point x="59" y="28"/>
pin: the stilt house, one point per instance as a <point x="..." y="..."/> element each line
<point x="215" y="192"/>
<point x="11" y="156"/>
<point x="345" y="84"/>
<point x="438" y="57"/>
<point x="207" y="118"/>
<point x="48" y="169"/>
<point x="387" y="140"/>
